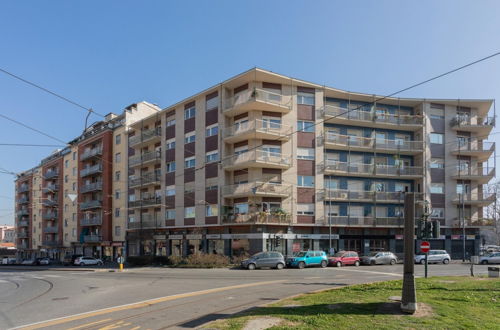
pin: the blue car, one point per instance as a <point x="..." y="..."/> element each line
<point x="308" y="258"/>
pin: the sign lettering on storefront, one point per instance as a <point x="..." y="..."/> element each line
<point x="213" y="236"/>
<point x="175" y="236"/>
<point x="159" y="236"/>
<point x="194" y="236"/>
<point x="317" y="236"/>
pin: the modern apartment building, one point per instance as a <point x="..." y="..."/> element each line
<point x="7" y="234"/>
<point x="262" y="158"/>
<point x="71" y="202"/>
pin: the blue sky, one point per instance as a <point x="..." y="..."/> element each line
<point x="109" y="54"/>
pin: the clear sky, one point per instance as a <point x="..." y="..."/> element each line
<point x="109" y="54"/>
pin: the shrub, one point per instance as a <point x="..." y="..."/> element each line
<point x="200" y="260"/>
<point x="236" y="260"/>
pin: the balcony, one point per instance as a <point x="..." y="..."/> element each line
<point x="49" y="203"/>
<point x="150" y="135"/>
<point x="145" y="158"/>
<point x="368" y="221"/>
<point x="93" y="204"/>
<point x="264" y="189"/>
<point x="148" y="221"/>
<point x="477" y="222"/>
<point x="95" y="220"/>
<point x="96" y="169"/>
<point x="344" y="195"/>
<point x="474" y="199"/>
<point x="473" y="124"/>
<point x="92" y="239"/>
<point x="371" y="170"/>
<point x="23" y="212"/>
<point x="480" y="174"/>
<point x="22" y="245"/>
<point x="51" y="174"/>
<point x="50" y="188"/>
<point x="49" y="216"/>
<point x="357" y="143"/>
<point x="257" y="218"/>
<point x="91" y="153"/>
<point x="50" y="243"/>
<point x="23" y="223"/>
<point x="96" y="186"/>
<point x="145" y="202"/>
<point x="23" y="200"/>
<point x="366" y="117"/>
<point x="23" y="188"/>
<point x="257" y="129"/>
<point x="257" y="99"/>
<point x="147" y="178"/>
<point x="22" y="234"/>
<point x="51" y="230"/>
<point x="474" y="148"/>
<point x="257" y="158"/>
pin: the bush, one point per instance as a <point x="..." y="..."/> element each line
<point x="236" y="260"/>
<point x="199" y="260"/>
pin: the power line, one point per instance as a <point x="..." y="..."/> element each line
<point x="50" y="92"/>
<point x="33" y="129"/>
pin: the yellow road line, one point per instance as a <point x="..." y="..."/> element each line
<point x="89" y="324"/>
<point x="139" y="304"/>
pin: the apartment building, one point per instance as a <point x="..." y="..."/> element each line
<point x="7" y="234"/>
<point x="71" y="202"/>
<point x="263" y="158"/>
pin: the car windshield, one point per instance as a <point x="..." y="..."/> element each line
<point x="373" y="254"/>
<point x="301" y="254"/>
<point x="258" y="255"/>
<point x="339" y="254"/>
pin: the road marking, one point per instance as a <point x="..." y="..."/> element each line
<point x="52" y="275"/>
<point x="311" y="278"/>
<point x="89" y="324"/>
<point x="369" y="271"/>
<point x="140" y="304"/>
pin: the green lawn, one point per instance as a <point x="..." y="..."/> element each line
<point x="455" y="303"/>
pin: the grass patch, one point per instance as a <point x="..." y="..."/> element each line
<point x="450" y="303"/>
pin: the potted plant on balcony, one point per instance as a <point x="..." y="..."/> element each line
<point x="254" y="93"/>
<point x="279" y="213"/>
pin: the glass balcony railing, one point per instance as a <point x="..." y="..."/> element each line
<point x="51" y="174"/>
<point x="258" y="95"/>
<point x="368" y="221"/>
<point x="371" y="169"/>
<point x="95" y="169"/>
<point x="145" y="179"/>
<point x="257" y="189"/>
<point x="49" y="215"/>
<point x="260" y="218"/>
<point x="145" y="202"/>
<point x="366" y="195"/>
<point x="91" y="204"/>
<point x="259" y="157"/>
<point x="370" y="143"/>
<point x="147" y="135"/>
<point x="144" y="158"/>
<point x="95" y="186"/>
<point x="365" y="114"/>
<point x="461" y="122"/>
<point x="258" y="126"/>
<point x="89" y="153"/>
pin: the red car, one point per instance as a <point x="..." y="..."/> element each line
<point x="343" y="258"/>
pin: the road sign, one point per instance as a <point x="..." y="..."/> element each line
<point x="425" y="247"/>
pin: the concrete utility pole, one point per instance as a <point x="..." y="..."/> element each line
<point x="409" y="295"/>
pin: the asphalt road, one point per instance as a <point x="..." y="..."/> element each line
<point x="167" y="298"/>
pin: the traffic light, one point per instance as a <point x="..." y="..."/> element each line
<point x="277" y="240"/>
<point x="427" y="229"/>
<point x="436" y="229"/>
<point x="421" y="229"/>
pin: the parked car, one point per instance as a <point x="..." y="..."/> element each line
<point x="492" y="258"/>
<point x="344" y="258"/>
<point x="435" y="257"/>
<point x="28" y="262"/>
<point x="70" y="259"/>
<point x="264" y="259"/>
<point x="42" y="261"/>
<point x="84" y="261"/>
<point x="379" y="258"/>
<point x="308" y="258"/>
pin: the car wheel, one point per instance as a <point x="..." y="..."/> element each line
<point x="372" y="263"/>
<point x="484" y="262"/>
<point x="446" y="261"/>
<point x="393" y="262"/>
<point x="338" y="264"/>
<point x="280" y="266"/>
<point x="356" y="263"/>
<point x="324" y="264"/>
<point x="422" y="261"/>
<point x="302" y="265"/>
<point x="251" y="266"/>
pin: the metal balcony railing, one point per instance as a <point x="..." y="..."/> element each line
<point x="461" y="121"/>
<point x="91" y="204"/>
<point x="51" y="230"/>
<point x="145" y="136"/>
<point x="258" y="126"/>
<point x="22" y="234"/>
<point x="23" y="188"/>
<point x="50" y="243"/>
<point x="50" y="188"/>
<point x="49" y="215"/>
<point x="146" y="178"/>
<point x="50" y="174"/>
<point x="373" y="143"/>
<point x="372" y="169"/>
<point x="472" y="145"/>
<point x="91" y="187"/>
<point x="23" y="223"/>
<point x="148" y="221"/>
<point x="92" y="238"/>
<point x="145" y="202"/>
<point x="258" y="188"/>
<point x="23" y="200"/>
<point x="260" y="217"/>
<point x="89" y="153"/>
<point x="366" y="195"/>
<point x="91" y="170"/>
<point x="49" y="202"/>
<point x="259" y="95"/>
<point x="368" y="221"/>
<point x="365" y="114"/>
<point x="145" y="157"/>
<point x="23" y="212"/>
<point x="95" y="220"/>
<point x="259" y="156"/>
<point x="473" y="171"/>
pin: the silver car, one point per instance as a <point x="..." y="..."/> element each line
<point x="379" y="258"/>
<point x="264" y="260"/>
<point x="492" y="258"/>
<point x="435" y="257"/>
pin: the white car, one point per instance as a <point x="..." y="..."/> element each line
<point x="492" y="258"/>
<point x="435" y="257"/>
<point x="84" y="261"/>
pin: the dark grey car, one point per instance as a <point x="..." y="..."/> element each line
<point x="264" y="260"/>
<point x="380" y="258"/>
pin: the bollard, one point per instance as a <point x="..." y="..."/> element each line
<point x="121" y="267"/>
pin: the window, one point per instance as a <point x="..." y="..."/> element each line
<point x="437" y="212"/>
<point x="240" y="150"/>
<point x="170" y="191"/>
<point x="189" y="137"/>
<point x="66" y="193"/>
<point x="118" y="230"/>
<point x="170" y="120"/>
<point x="437" y="163"/>
<point x="305" y="153"/>
<point x="170" y="144"/>
<point x="463" y="188"/>
<point x="189" y="162"/>
<point x="305" y="126"/>
<point x="211" y="210"/>
<point x="190" y="113"/>
<point x="74" y="186"/>
<point x="189" y="212"/>
<point x="305" y="209"/>
<point x="118" y="139"/>
<point x="117" y="194"/>
<point x="241" y="208"/>
<point x="117" y="175"/>
<point x="212" y="103"/>
<point x="212" y="156"/>
<point x="74" y="155"/>
<point x="170" y="214"/>
<point x="437" y="188"/>
<point x="66" y="163"/>
<point x="437" y="138"/>
<point x="305" y="181"/>
<point x="271" y="122"/>
<point x="74" y="232"/>
<point x="118" y="157"/>
<point x="66" y="179"/>
<point x="170" y="167"/>
<point x="73" y="217"/>
<point x="436" y="113"/>
<point x="74" y="171"/>
<point x="305" y="98"/>
<point x="212" y="130"/>
<point x="65" y="222"/>
<point x="117" y="212"/>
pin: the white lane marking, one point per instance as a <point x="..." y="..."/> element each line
<point x="52" y="275"/>
<point x="369" y="271"/>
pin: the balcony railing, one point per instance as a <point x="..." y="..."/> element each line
<point x="148" y="221"/>
<point x="51" y="230"/>
<point x="91" y="187"/>
<point x="472" y="122"/>
<point x="473" y="145"/>
<point x="92" y="239"/>
<point x="261" y="218"/>
<point x="22" y="245"/>
<point x="23" y="223"/>
<point x="257" y="156"/>
<point x="258" y="189"/>
<point x="258" y="126"/>
<point x="23" y="200"/>
<point x="23" y="188"/>
<point x="145" y="136"/>
<point x="468" y="172"/>
<point x="369" y="196"/>
<point x="478" y="222"/>
<point x="146" y="178"/>
<point x="51" y="174"/>
<point x="91" y="170"/>
<point x="145" y="202"/>
<point x="50" y="188"/>
<point x="22" y="234"/>
<point x="95" y="220"/>
<point x="349" y="141"/>
<point x="372" y="169"/>
<point x="49" y="215"/>
<point x="91" y="204"/>
<point x="369" y="221"/>
<point x="370" y="116"/>
<point x="23" y="212"/>
<point x="49" y="202"/>
<point x="50" y="243"/>
<point x="259" y="95"/>
<point x="89" y="153"/>
<point x="145" y="157"/>
<point x="475" y="198"/>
